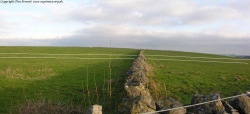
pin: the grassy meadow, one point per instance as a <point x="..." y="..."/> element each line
<point x="71" y="76"/>
<point x="182" y="74"/>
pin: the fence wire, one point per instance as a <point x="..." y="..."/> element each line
<point x="196" y="104"/>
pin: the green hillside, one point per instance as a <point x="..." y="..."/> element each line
<point x="182" y="74"/>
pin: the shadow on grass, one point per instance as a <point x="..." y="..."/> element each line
<point x="81" y="86"/>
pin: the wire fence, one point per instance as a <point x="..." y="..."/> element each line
<point x="248" y="93"/>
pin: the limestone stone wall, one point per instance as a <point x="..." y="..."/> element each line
<point x="138" y="98"/>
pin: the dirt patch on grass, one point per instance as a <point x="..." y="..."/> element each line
<point x="149" y="69"/>
<point x="32" y="73"/>
<point x="153" y="85"/>
<point x="47" y="107"/>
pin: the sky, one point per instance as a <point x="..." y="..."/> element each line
<point x="206" y="26"/>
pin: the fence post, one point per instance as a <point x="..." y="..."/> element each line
<point x="95" y="109"/>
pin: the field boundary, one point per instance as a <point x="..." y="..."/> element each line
<point x="138" y="98"/>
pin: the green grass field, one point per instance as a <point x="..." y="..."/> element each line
<point x="74" y="76"/>
<point x="78" y="77"/>
<point x="185" y="74"/>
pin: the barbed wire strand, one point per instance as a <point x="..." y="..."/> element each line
<point x="194" y="104"/>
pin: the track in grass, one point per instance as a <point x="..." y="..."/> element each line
<point x="199" y="61"/>
<point x="168" y="56"/>
<point x="62" y="58"/>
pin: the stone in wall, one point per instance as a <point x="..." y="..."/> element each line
<point x="168" y="103"/>
<point x="242" y="104"/>
<point x="136" y="105"/>
<point x="229" y="109"/>
<point x="209" y="108"/>
<point x="95" y="109"/>
<point x="248" y="93"/>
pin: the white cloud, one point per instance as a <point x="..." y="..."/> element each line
<point x="231" y="31"/>
<point x="163" y="24"/>
<point x="39" y="23"/>
<point x="132" y="12"/>
<point x="210" y="14"/>
<point x="160" y="7"/>
<point x="137" y="14"/>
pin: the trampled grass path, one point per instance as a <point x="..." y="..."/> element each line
<point x="193" y="57"/>
<point x="61" y="58"/>
<point x="68" y="56"/>
<point x="199" y="61"/>
<point x="65" y="54"/>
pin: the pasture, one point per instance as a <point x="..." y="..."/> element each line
<point x="74" y="77"/>
<point x="182" y="74"/>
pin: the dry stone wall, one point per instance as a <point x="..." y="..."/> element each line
<point x="139" y="99"/>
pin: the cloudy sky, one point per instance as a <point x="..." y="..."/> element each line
<point x="209" y="26"/>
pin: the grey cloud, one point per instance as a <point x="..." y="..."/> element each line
<point x="163" y="41"/>
<point x="197" y="42"/>
<point x="242" y="6"/>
